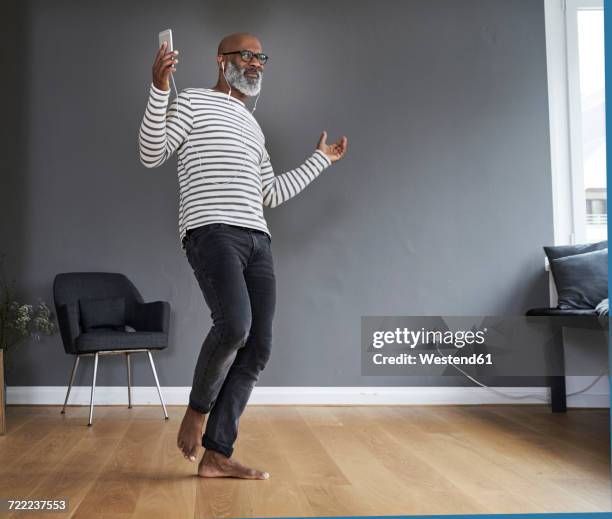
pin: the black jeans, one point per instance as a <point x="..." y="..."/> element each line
<point x="234" y="268"/>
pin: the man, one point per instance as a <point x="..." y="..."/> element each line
<point x="225" y="176"/>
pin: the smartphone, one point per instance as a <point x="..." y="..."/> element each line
<point x="166" y="36"/>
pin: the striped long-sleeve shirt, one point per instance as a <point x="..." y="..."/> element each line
<point x="224" y="170"/>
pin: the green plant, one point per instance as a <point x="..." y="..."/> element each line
<point x="19" y="322"/>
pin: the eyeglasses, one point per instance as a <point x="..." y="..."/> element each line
<point x="247" y="55"/>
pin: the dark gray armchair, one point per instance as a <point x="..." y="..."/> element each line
<point x="102" y="313"/>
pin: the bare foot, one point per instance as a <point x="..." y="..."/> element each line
<point x="190" y="433"/>
<point x="215" y="465"/>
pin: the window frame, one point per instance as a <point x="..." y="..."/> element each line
<point x="575" y="113"/>
<point x="565" y="118"/>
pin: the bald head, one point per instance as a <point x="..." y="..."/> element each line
<point x="239" y="41"/>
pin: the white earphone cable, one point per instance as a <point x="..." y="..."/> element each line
<point x="520" y="397"/>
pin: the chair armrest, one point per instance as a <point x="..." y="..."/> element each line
<point x="68" y="320"/>
<point x="151" y="317"/>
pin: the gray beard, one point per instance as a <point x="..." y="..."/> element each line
<point x="236" y="78"/>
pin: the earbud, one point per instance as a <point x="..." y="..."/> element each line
<point x="223" y="72"/>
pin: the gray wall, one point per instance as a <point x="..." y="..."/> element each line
<point x="440" y="207"/>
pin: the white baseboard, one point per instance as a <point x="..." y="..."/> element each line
<point x="143" y="395"/>
<point x="589" y="400"/>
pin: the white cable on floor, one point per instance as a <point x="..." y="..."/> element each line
<point x="605" y="371"/>
<point x="519" y="397"/>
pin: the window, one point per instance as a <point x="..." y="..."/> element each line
<point x="584" y="24"/>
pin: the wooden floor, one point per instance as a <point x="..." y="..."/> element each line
<point x="323" y="461"/>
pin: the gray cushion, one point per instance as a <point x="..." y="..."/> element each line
<point x="109" y="339"/>
<point x="102" y="313"/>
<point x="581" y="279"/>
<point x="561" y="251"/>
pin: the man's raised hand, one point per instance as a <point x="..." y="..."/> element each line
<point x="163" y="66"/>
<point x="334" y="151"/>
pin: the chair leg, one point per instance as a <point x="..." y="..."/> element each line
<point x="74" y="370"/>
<point x="129" y="376"/>
<point x="93" y="389"/>
<point x="161" y="398"/>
